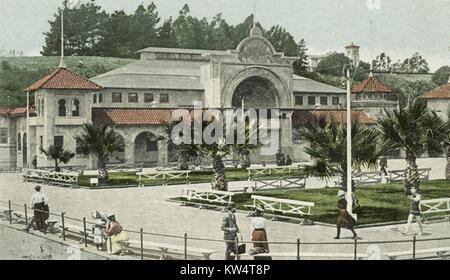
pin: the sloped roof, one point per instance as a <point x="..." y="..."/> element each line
<point x="371" y="85"/>
<point x="301" y="117"/>
<point x="302" y="84"/>
<point x="16" y="111"/>
<point x="442" y="92"/>
<point x="63" y="78"/>
<point x="125" y="116"/>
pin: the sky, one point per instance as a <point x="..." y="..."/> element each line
<point x="400" y="27"/>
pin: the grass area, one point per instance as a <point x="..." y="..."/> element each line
<point x="379" y="203"/>
<point x="233" y="174"/>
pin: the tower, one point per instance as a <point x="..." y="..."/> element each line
<point x="352" y="52"/>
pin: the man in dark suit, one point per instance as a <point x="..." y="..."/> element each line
<point x="230" y="229"/>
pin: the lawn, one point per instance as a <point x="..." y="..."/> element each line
<point x="195" y="177"/>
<point x="379" y="203"/>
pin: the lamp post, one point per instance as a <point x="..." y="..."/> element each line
<point x="349" y="146"/>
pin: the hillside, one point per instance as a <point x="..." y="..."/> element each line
<point x="16" y="73"/>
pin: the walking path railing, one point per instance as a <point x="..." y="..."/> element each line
<point x="77" y="228"/>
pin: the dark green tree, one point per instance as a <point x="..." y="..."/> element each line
<point x="301" y="65"/>
<point x="166" y="35"/>
<point x="59" y="155"/>
<point x="441" y="76"/>
<point x="333" y="64"/>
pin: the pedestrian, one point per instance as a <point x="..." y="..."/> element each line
<point x="230" y="229"/>
<point x="288" y="161"/>
<point x="39" y="203"/>
<point x="259" y="234"/>
<point x="98" y="229"/>
<point x="282" y="160"/>
<point x="344" y="219"/>
<point x="116" y="236"/>
<point x="414" y="211"/>
<point x="383" y="165"/>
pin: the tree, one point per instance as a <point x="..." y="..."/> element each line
<point x="382" y="63"/>
<point x="446" y="147"/>
<point x="301" y="65"/>
<point x="326" y="143"/>
<point x="144" y="30"/>
<point x="416" y="130"/>
<point x="282" y="40"/>
<point x="102" y="142"/>
<point x="441" y="76"/>
<point x="191" y="32"/>
<point x="58" y="154"/>
<point x="411" y="90"/>
<point x="117" y="41"/>
<point x="81" y="36"/>
<point x="415" y="64"/>
<point x="166" y="35"/>
<point x="333" y="64"/>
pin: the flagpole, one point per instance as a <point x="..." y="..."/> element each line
<point x="349" y="147"/>
<point x="62" y="64"/>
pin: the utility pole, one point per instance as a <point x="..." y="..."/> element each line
<point x="349" y="145"/>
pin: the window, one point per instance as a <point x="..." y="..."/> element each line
<point x="41" y="144"/>
<point x="117" y="97"/>
<point x="133" y="98"/>
<point x="94" y="98"/>
<point x="311" y="100"/>
<point x="19" y="142"/>
<point x="78" y="149"/>
<point x="75" y="108"/>
<point x="3" y="135"/>
<point x="148" y="98"/>
<point x="62" y="108"/>
<point x="58" y="141"/>
<point x="324" y="100"/>
<point x="152" y="146"/>
<point x="299" y="100"/>
<point x="42" y="108"/>
<point x="100" y="98"/>
<point x="164" y="98"/>
<point x="335" y="100"/>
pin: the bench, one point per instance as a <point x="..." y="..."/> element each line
<point x="432" y="206"/>
<point x="292" y="182"/>
<point x="209" y="196"/>
<point x="367" y="178"/>
<point x="163" y="250"/>
<point x="333" y="256"/>
<point x="399" y="175"/>
<point x="440" y="252"/>
<point x="285" y="207"/>
<point x="252" y="171"/>
<point x="51" y="177"/>
<point x="165" y="176"/>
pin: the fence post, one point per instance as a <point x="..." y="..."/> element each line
<point x="237" y="248"/>
<point x="142" y="243"/>
<point x="63" y="227"/>
<point x="298" y="249"/>
<point x="356" y="250"/>
<point x="414" y="247"/>
<point x="10" y="211"/>
<point x="185" y="246"/>
<point x="26" y="214"/>
<point x="85" y="232"/>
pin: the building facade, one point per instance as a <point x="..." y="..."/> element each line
<point x="138" y="100"/>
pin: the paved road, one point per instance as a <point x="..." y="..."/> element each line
<point x="148" y="208"/>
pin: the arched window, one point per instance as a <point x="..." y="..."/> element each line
<point x="75" y="108"/>
<point x="62" y="108"/>
<point x="19" y="142"/>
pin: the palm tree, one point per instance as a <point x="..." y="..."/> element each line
<point x="327" y="145"/>
<point x="416" y="130"/>
<point x="102" y="142"/>
<point x="58" y="154"/>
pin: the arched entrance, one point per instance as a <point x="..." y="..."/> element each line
<point x="256" y="92"/>
<point x="146" y="149"/>
<point x="120" y="155"/>
<point x="24" y="150"/>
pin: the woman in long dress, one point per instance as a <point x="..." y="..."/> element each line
<point x="116" y="236"/>
<point x="258" y="229"/>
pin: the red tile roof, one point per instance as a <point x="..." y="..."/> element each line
<point x="113" y="116"/>
<point x="63" y="78"/>
<point x="442" y="92"/>
<point x="301" y="117"/>
<point x="16" y="111"/>
<point x="371" y="85"/>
